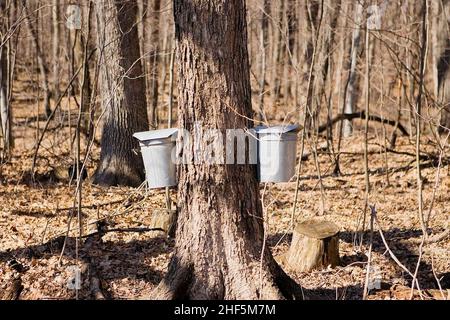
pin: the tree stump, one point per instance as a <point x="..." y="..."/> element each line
<point x="164" y="220"/>
<point x="315" y="244"/>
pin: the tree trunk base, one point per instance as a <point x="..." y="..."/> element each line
<point x="117" y="177"/>
<point x="315" y="244"/>
<point x="255" y="282"/>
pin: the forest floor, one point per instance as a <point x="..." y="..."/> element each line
<point x="34" y="219"/>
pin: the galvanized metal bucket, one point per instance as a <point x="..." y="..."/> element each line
<point x="277" y="149"/>
<point x="156" y="148"/>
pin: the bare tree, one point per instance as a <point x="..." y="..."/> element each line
<point x="443" y="69"/>
<point x="82" y="43"/>
<point x="123" y="94"/>
<point x="43" y="68"/>
<point x="350" y="90"/>
<point x="56" y="48"/>
<point x="154" y="62"/>
<point x="263" y="64"/>
<point x="5" y="108"/>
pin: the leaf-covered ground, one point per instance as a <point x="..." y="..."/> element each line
<point x="34" y="218"/>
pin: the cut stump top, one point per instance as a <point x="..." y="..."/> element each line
<point x="317" y="229"/>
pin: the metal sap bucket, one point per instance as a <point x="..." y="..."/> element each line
<point x="277" y="149"/>
<point x="156" y="148"/>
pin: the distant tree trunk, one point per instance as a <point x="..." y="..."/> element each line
<point x="219" y="251"/>
<point x="289" y="45"/>
<point x="143" y="43"/>
<point x="154" y="62"/>
<point x="350" y="90"/>
<point x="142" y="15"/>
<point x="43" y="70"/>
<point x="434" y="8"/>
<point x="444" y="88"/>
<point x="4" y="103"/>
<point x="55" y="49"/>
<point x="123" y="94"/>
<point x="263" y="45"/>
<point x="277" y="54"/>
<point x="443" y="70"/>
<point x="5" y="114"/>
<point x="85" y="83"/>
<point x="314" y="14"/>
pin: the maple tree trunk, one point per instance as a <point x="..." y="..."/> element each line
<point x="220" y="233"/>
<point x="123" y="94"/>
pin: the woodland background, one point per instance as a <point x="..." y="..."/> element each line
<point x="310" y="62"/>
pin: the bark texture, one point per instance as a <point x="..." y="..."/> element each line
<point x="220" y="233"/>
<point x="123" y="94"/>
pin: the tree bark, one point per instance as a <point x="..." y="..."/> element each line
<point x="219" y="251"/>
<point x="123" y="94"/>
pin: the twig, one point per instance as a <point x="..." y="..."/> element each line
<point x="369" y="255"/>
<point x="392" y="255"/>
<point x="436" y="278"/>
<point x="50" y="117"/>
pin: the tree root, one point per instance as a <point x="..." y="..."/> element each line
<point x="290" y="289"/>
<point x="110" y="177"/>
<point x="176" y="286"/>
<point x="179" y="284"/>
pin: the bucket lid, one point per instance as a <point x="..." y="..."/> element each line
<point x="277" y="129"/>
<point x="155" y="134"/>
